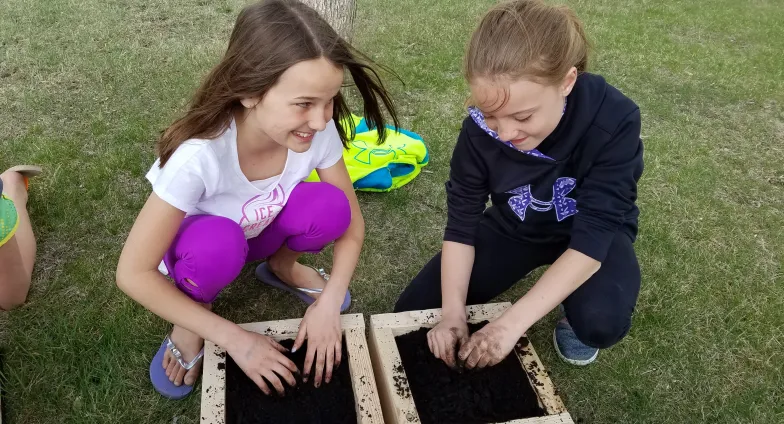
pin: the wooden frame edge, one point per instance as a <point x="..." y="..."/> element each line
<point x="213" y="385"/>
<point x="213" y="393"/>
<point x="385" y="327"/>
<point x="388" y="367"/>
<point x="366" y="400"/>
<point x="537" y="376"/>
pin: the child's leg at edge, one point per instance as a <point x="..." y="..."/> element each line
<point x="17" y="255"/>
<point x="315" y="215"/>
<point x="206" y="255"/>
<point x="14" y="188"/>
<point x="14" y="278"/>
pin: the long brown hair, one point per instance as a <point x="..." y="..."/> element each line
<point x="527" y="38"/>
<point x="268" y="38"/>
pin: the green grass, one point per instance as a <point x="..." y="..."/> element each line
<point x="85" y="86"/>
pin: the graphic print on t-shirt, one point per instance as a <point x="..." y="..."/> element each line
<point x="259" y="211"/>
<point x="564" y="206"/>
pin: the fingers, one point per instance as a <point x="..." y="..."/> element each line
<point x="437" y="346"/>
<point x="466" y="349"/>
<point x="330" y="363"/>
<point x="279" y="347"/>
<point x="443" y="345"/>
<point x="485" y="361"/>
<point x="447" y="350"/>
<point x="285" y="373"/>
<point x="288" y="363"/>
<point x="308" y="365"/>
<point x="260" y="382"/>
<point x="320" y="359"/>
<point x="338" y="352"/>
<point x="301" y="334"/>
<point x="275" y="381"/>
<point x="463" y="340"/>
<point x="474" y="358"/>
<point x="430" y="343"/>
<point x="494" y="360"/>
<point x="480" y="348"/>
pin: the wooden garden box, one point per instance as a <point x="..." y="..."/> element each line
<point x="393" y="383"/>
<point x="368" y="407"/>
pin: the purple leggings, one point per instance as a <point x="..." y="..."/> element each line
<point x="211" y="250"/>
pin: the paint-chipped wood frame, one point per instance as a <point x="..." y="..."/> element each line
<point x="396" y="400"/>
<point x="368" y="406"/>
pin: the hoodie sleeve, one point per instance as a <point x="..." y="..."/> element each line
<point x="466" y="191"/>
<point x="609" y="190"/>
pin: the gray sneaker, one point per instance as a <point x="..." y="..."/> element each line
<point x="570" y="348"/>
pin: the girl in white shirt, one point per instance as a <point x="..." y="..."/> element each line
<point x="228" y="189"/>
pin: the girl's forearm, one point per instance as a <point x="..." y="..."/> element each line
<point x="457" y="260"/>
<point x="345" y="258"/>
<point x="563" y="277"/>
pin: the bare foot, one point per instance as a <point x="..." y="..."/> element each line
<point x="14" y="188"/>
<point x="189" y="344"/>
<point x="298" y="275"/>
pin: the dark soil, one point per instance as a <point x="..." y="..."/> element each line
<point x="443" y="395"/>
<point x="305" y="404"/>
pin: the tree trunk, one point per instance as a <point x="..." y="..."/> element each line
<point x="339" y="13"/>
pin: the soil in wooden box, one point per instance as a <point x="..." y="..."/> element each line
<point x="443" y="395"/>
<point x="330" y="403"/>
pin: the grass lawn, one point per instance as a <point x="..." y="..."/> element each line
<point x="86" y="85"/>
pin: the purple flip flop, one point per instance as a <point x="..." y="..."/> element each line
<point x="158" y="374"/>
<point x="266" y="276"/>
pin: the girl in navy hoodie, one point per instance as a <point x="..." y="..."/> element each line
<point x="558" y="152"/>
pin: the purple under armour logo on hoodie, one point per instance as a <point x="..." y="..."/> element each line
<point x="564" y="206"/>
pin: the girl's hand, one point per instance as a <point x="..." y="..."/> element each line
<point x="260" y="356"/>
<point x="446" y="337"/>
<point x="321" y="326"/>
<point x="489" y="346"/>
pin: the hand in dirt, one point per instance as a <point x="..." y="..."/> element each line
<point x="446" y="337"/>
<point x="321" y="326"/>
<point x="488" y="346"/>
<point x="261" y="358"/>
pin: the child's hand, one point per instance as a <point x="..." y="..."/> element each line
<point x="446" y="337"/>
<point x="321" y="326"/>
<point x="488" y="346"/>
<point x="260" y="356"/>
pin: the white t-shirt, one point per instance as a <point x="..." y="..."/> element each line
<point x="203" y="177"/>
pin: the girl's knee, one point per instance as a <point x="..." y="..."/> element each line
<point x="206" y="256"/>
<point x="327" y="206"/>
<point x="600" y="329"/>
<point x="324" y="198"/>
<point x="334" y="201"/>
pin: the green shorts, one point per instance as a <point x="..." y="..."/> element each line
<point x="9" y="220"/>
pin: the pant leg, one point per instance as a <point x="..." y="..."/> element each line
<point x="499" y="263"/>
<point x="600" y="311"/>
<point x="315" y="215"/>
<point x="210" y="251"/>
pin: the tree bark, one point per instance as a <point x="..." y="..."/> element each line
<point x="339" y="13"/>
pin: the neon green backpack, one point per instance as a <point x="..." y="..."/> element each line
<point x="385" y="167"/>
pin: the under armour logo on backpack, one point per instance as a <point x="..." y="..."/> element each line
<point x="564" y="206"/>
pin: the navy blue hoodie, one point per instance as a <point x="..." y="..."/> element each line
<point x="584" y="194"/>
